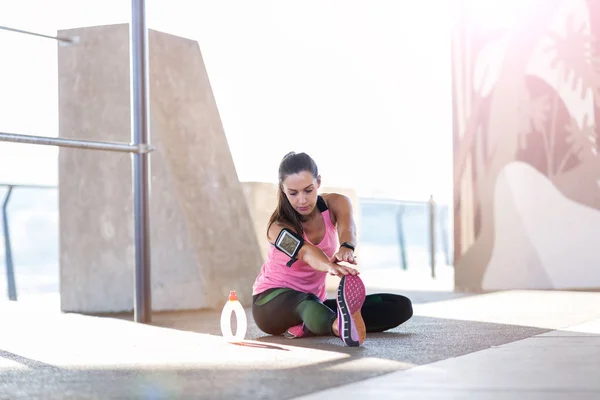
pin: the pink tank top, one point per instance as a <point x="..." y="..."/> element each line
<point x="300" y="276"/>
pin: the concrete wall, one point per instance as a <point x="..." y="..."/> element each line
<point x="202" y="238"/>
<point x="527" y="170"/>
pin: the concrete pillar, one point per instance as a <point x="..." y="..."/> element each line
<point x="203" y="241"/>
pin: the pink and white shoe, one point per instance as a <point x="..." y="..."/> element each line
<point x="297" y="331"/>
<point x="350" y="298"/>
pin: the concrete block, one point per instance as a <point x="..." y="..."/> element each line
<point x="202" y="237"/>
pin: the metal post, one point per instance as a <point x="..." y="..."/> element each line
<point x="432" y="234"/>
<point x="443" y="220"/>
<point x="401" y="241"/>
<point x="139" y="134"/>
<point x="10" y="271"/>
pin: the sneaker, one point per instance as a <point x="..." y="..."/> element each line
<point x="350" y="298"/>
<point x="297" y="331"/>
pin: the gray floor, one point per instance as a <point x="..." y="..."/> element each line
<point x="51" y="355"/>
<point x="561" y="364"/>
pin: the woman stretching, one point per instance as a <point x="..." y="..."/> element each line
<point x="289" y="295"/>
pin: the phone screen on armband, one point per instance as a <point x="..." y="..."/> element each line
<point x="288" y="243"/>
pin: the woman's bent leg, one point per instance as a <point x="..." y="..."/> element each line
<point x="383" y="311"/>
<point x="276" y="310"/>
<point x="317" y="317"/>
<point x="273" y="310"/>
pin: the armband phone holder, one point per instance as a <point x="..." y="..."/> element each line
<point x="289" y="243"/>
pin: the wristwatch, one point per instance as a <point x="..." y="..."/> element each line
<point x="347" y="245"/>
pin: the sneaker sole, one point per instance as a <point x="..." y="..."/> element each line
<point x="350" y="298"/>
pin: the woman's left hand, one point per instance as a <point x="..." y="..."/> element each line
<point x="344" y="254"/>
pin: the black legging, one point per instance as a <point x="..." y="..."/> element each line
<point x="276" y="310"/>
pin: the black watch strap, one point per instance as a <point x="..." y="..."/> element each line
<point x="347" y="245"/>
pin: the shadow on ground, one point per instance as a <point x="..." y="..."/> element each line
<point x="294" y="370"/>
<point x="421" y="340"/>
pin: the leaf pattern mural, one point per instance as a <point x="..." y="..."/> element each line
<point x="526" y="97"/>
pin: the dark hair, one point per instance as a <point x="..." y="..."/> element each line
<point x="292" y="163"/>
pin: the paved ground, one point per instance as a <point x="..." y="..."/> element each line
<point x="45" y="354"/>
<point x="560" y="364"/>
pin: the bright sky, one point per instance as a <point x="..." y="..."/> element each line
<point x="362" y="86"/>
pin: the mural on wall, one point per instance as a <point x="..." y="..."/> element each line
<point x="526" y="102"/>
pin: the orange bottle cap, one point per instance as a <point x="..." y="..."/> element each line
<point x="232" y="295"/>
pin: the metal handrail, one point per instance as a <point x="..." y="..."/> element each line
<point x="75" y="143"/>
<point x="140" y="126"/>
<point x="57" y="38"/>
<point x="10" y="270"/>
<point x="433" y="217"/>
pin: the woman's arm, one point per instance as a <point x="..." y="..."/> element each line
<point x="341" y="207"/>
<point x="313" y="255"/>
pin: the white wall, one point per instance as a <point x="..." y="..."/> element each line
<point x="363" y="86"/>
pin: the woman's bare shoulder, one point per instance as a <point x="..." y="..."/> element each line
<point x="334" y="200"/>
<point x="338" y="205"/>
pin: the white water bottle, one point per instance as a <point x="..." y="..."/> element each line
<point x="233" y="305"/>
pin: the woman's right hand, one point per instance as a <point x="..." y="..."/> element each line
<point x="341" y="270"/>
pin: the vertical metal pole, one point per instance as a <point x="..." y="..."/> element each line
<point x="10" y="272"/>
<point x="140" y="136"/>
<point x="443" y="220"/>
<point x="401" y="241"/>
<point x="432" y="234"/>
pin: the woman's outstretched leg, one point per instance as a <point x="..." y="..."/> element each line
<point x="383" y="311"/>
